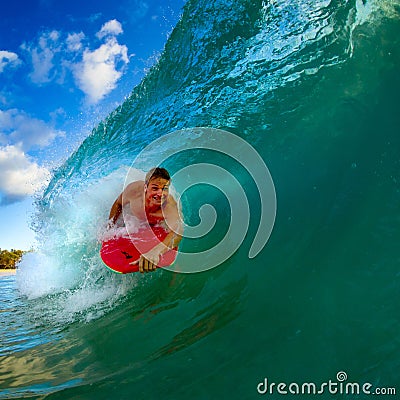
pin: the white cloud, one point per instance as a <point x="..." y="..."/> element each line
<point x="17" y="127"/>
<point x="8" y="58"/>
<point x="112" y="27"/>
<point x="98" y="72"/>
<point x="20" y="176"/>
<point x="74" y="41"/>
<point x="42" y="57"/>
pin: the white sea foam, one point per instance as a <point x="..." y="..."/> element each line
<point x="65" y="277"/>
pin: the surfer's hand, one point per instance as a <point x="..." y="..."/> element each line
<point x="148" y="262"/>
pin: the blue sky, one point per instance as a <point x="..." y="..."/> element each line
<point x="64" y="66"/>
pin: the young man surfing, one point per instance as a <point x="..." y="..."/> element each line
<point x="150" y="201"/>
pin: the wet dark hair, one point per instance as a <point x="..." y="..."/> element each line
<point x="157" y="173"/>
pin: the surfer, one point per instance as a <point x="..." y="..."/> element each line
<point x="150" y="201"/>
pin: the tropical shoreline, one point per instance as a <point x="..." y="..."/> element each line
<point x="8" y="271"/>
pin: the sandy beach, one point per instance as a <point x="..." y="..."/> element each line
<point x="7" y="272"/>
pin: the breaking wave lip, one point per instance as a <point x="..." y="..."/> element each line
<point x="285" y="42"/>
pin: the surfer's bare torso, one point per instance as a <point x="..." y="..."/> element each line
<point x="153" y="204"/>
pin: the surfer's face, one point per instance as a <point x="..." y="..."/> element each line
<point x="156" y="192"/>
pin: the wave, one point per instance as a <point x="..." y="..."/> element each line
<point x="311" y="87"/>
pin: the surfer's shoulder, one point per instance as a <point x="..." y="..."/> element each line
<point x="172" y="206"/>
<point x="135" y="187"/>
<point x="171" y="200"/>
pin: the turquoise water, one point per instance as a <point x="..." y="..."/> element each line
<point x="314" y="88"/>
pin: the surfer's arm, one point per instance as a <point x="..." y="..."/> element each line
<point x="173" y="238"/>
<point x="132" y="191"/>
<point x="149" y="261"/>
<point x="116" y="209"/>
<point x="174" y="224"/>
<point x="171" y="241"/>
